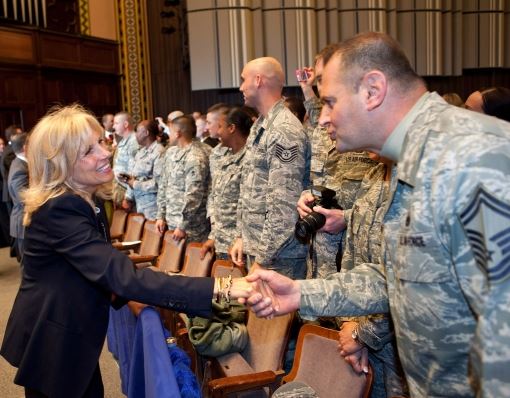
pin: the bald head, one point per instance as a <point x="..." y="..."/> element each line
<point x="270" y="70"/>
<point x="262" y="83"/>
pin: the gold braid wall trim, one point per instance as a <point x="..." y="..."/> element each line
<point x="134" y="58"/>
<point x="83" y="6"/>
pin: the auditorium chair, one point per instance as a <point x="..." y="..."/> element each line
<point x="257" y="370"/>
<point x="318" y="364"/>
<point x="222" y="268"/>
<point x="148" y="250"/>
<point x="118" y="224"/>
<point x="134" y="228"/>
<point x="170" y="259"/>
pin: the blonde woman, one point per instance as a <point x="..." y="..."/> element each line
<point x="58" y="323"/>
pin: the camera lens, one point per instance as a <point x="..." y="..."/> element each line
<point x="308" y="225"/>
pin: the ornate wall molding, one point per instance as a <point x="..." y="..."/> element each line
<point x="134" y="57"/>
<point x="83" y="7"/>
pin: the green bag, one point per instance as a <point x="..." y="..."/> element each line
<point x="224" y="333"/>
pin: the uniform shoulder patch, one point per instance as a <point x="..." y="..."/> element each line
<point x="486" y="220"/>
<point x="286" y="155"/>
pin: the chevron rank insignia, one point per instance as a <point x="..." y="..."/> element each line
<point x="286" y="155"/>
<point x="486" y="221"/>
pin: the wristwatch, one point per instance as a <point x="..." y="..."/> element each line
<point x="355" y="336"/>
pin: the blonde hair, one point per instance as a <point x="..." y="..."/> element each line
<point x="53" y="149"/>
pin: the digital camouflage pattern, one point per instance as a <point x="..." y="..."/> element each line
<point x="215" y="156"/>
<point x="363" y="244"/>
<point x="275" y="171"/>
<point x="182" y="194"/>
<point x="445" y="262"/>
<point x="342" y="173"/>
<point x="124" y="155"/>
<point x="224" y="197"/>
<point x="145" y="188"/>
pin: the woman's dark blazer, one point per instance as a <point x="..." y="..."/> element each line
<point x="58" y="323"/>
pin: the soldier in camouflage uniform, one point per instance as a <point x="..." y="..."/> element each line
<point x="184" y="182"/>
<point x="446" y="271"/>
<point x="275" y="171"/>
<point x="224" y="196"/>
<point x="143" y="173"/>
<point x="124" y="154"/>
<point x="340" y="172"/>
<point x="353" y="176"/>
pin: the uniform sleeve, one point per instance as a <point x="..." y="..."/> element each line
<point x="72" y="232"/>
<point x="196" y="186"/>
<point x="313" y="107"/>
<point x="161" y="198"/>
<point x="360" y="291"/>
<point x="480" y="239"/>
<point x="375" y="331"/>
<point x="287" y="164"/>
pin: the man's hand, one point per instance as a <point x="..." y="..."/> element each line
<point x="346" y="343"/>
<point x="283" y="297"/>
<point x="178" y="234"/>
<point x="255" y="266"/>
<point x="127" y="204"/>
<point x="303" y="205"/>
<point x="207" y="246"/>
<point x="335" y="220"/>
<point x="236" y="252"/>
<point x="307" y="85"/>
<point x="161" y="226"/>
<point x="358" y="360"/>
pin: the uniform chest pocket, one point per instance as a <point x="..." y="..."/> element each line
<point x="417" y="256"/>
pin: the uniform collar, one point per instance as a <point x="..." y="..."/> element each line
<point x="392" y="148"/>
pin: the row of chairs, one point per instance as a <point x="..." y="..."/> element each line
<point x="257" y="370"/>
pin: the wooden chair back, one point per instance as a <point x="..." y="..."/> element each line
<point x="118" y="224"/>
<point x="193" y="264"/>
<point x="222" y="268"/>
<point x="318" y="364"/>
<point x="170" y="259"/>
<point x="134" y="227"/>
<point x="151" y="240"/>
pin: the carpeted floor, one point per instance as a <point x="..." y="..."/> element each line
<point x="9" y="283"/>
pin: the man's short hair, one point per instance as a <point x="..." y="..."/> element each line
<point x="186" y="125"/>
<point x="220" y="108"/>
<point x="375" y="51"/>
<point x="326" y="53"/>
<point x="126" y="116"/>
<point x="11" y="130"/>
<point x="18" y="141"/>
<point x="151" y="126"/>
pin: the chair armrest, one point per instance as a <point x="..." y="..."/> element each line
<point x="124" y="246"/>
<point x="228" y="385"/>
<point x="136" y="258"/>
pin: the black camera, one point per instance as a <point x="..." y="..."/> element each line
<point x="307" y="226"/>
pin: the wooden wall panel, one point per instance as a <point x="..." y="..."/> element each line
<point x="55" y="68"/>
<point x="17" y="46"/>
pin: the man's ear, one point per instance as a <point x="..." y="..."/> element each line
<point x="258" y="80"/>
<point x="374" y="86"/>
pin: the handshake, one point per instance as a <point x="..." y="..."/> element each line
<point x="267" y="293"/>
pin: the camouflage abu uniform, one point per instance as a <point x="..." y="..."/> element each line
<point x="224" y="197"/>
<point x="275" y="169"/>
<point x="145" y="172"/>
<point x="340" y="172"/>
<point x="182" y="194"/>
<point x="124" y="156"/>
<point x="363" y="240"/>
<point x="446" y="261"/>
<point x="216" y="155"/>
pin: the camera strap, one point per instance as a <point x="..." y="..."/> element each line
<point x="313" y="258"/>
